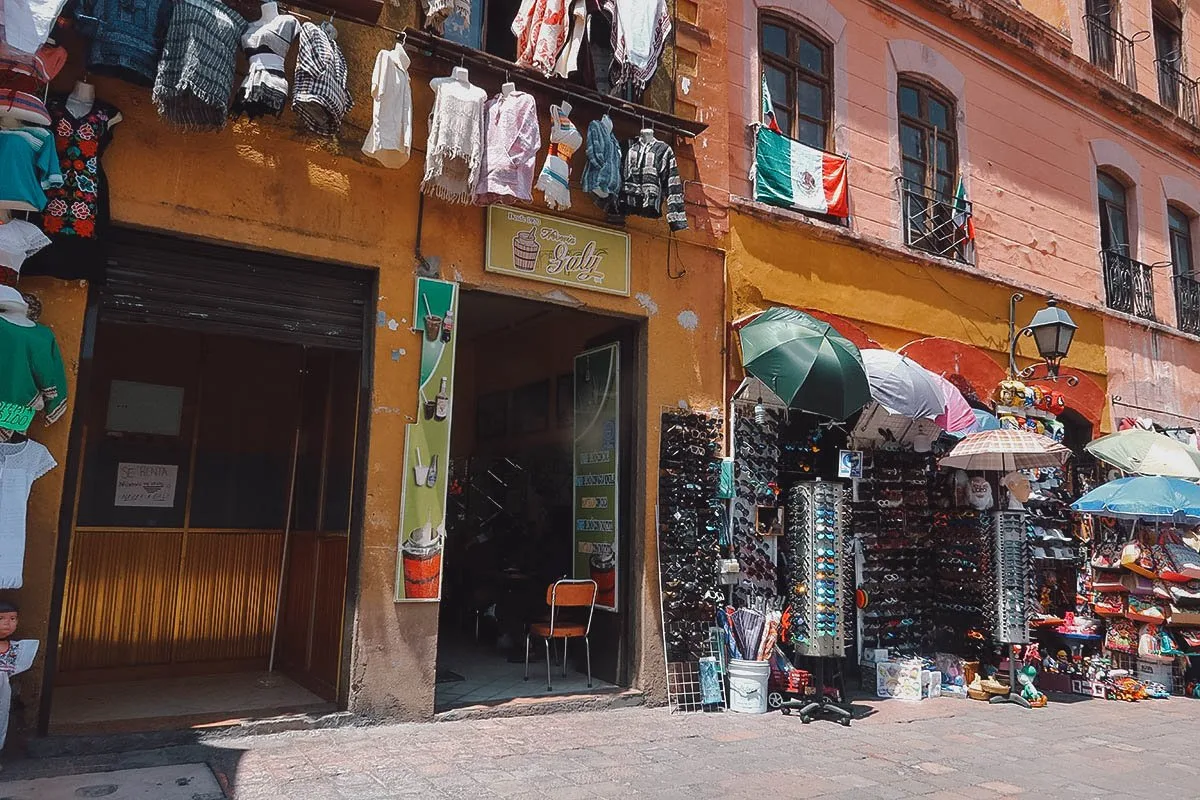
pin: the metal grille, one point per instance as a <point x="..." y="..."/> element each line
<point x="936" y="222"/>
<point x="1187" y="303"/>
<point x="1128" y="284"/>
<point x="1176" y="91"/>
<point x="1110" y="50"/>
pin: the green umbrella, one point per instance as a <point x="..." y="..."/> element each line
<point x="809" y="365"/>
<point x="1147" y="453"/>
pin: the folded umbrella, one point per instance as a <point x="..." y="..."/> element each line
<point x="902" y="386"/>
<point x="1147" y="453"/>
<point x="1144" y="497"/>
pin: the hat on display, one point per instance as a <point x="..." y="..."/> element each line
<point x="23" y="106"/>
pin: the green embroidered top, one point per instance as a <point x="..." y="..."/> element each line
<point x="32" y="376"/>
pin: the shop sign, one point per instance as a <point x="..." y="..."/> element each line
<point x="422" y="534"/>
<point x="146" y="485"/>
<point x="850" y="463"/>
<point x="544" y="248"/>
<point x="597" y="467"/>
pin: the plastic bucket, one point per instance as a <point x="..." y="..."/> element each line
<point x="748" y="686"/>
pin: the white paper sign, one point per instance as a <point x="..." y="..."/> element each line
<point x="850" y="464"/>
<point x="146" y="485"/>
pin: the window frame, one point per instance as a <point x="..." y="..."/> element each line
<point x="1179" y="238"/>
<point x="795" y="72"/>
<point x="931" y="135"/>
<point x="1105" y="207"/>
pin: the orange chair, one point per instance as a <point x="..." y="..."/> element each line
<point x="565" y="594"/>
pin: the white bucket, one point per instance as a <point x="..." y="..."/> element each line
<point x="748" y="686"/>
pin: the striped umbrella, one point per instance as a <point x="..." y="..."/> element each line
<point x="1005" y="450"/>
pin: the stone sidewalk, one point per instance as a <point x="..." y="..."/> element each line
<point x="936" y="749"/>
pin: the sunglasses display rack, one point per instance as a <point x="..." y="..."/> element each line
<point x="756" y="504"/>
<point x="964" y="597"/>
<point x="691" y="525"/>
<point x="815" y="519"/>
<point x="1012" y="578"/>
<point x="892" y="520"/>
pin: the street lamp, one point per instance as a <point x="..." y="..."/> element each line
<point x="1052" y="330"/>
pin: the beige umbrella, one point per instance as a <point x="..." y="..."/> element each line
<point x="1005" y="450"/>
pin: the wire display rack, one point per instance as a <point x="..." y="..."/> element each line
<point x="685" y="689"/>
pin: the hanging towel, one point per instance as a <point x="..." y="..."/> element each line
<point x="555" y="178"/>
<point x="455" y="149"/>
<point x="389" y="141"/>
<point x="320" y="97"/>
<point x="195" y="74"/>
<point x="511" y="142"/>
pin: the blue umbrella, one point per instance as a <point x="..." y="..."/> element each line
<point x="1151" y="497"/>
<point x="983" y="422"/>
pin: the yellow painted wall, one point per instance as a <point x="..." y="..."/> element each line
<point x="270" y="186"/>
<point x="895" y="301"/>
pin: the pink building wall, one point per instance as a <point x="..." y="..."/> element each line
<point x="1035" y="120"/>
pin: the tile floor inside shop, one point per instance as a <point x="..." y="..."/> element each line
<point x="170" y="702"/>
<point x="488" y="677"/>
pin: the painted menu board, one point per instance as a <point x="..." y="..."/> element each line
<point x="597" y="466"/>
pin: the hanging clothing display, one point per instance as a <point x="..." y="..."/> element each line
<point x="640" y="29"/>
<point x="18" y="241"/>
<point x="266" y="42"/>
<point x="195" y="74"/>
<point x="32" y="376"/>
<point x="128" y="39"/>
<point x="437" y="11"/>
<point x="389" y="140"/>
<point x="651" y="180"/>
<point x="320" y="97"/>
<point x="28" y="167"/>
<point x="455" y="149"/>
<point x="576" y="32"/>
<point x="555" y="178"/>
<point x="23" y="107"/>
<point x="511" y="143"/>
<point x="541" y="30"/>
<point x="602" y="172"/>
<point x="18" y="659"/>
<point x="26" y="72"/>
<point x="27" y="23"/>
<point x="21" y="463"/>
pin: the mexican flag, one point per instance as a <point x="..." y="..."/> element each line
<point x="793" y="175"/>
<point x="962" y="216"/>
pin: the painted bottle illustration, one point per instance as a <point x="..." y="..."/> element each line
<point x="448" y="326"/>
<point x="525" y="251"/>
<point x="432" y="476"/>
<point x="441" y="400"/>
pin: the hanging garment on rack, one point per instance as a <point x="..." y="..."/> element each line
<point x="20" y="465"/>
<point x="195" y="75"/>
<point x="30" y="73"/>
<point x="640" y="29"/>
<point x="389" y="140"/>
<point x="573" y="40"/>
<point x="23" y="107"/>
<point x="264" y="91"/>
<point x="128" y="40"/>
<point x="19" y="658"/>
<point x="18" y="241"/>
<point x="651" y="180"/>
<point x="28" y="168"/>
<point x="76" y="213"/>
<point x="555" y="178"/>
<point x="511" y="143"/>
<point x="33" y="378"/>
<point x="454" y="152"/>
<point x="541" y="30"/>
<point x="27" y="24"/>
<point x="320" y="97"/>
<point x="437" y="11"/>
<point x="602" y="172"/>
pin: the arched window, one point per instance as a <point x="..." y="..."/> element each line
<point x="1114" y="214"/>
<point x="1179" y="222"/>
<point x="1128" y="284"/>
<point x="936" y="219"/>
<point x="798" y="65"/>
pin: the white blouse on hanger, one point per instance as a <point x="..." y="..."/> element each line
<point x="389" y="140"/>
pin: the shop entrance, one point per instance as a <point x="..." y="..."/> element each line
<point x="511" y="521"/>
<point x="215" y="508"/>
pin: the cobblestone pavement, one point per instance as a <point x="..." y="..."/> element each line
<point x="935" y="749"/>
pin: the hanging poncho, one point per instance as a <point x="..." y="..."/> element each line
<point x="436" y="12"/>
<point x="541" y="28"/>
<point x="640" y="29"/>
<point x="455" y="149"/>
<point x="195" y="74"/>
<point x="320" y="97"/>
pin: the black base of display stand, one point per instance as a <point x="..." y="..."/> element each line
<point x="1010" y="698"/>
<point x="822" y="703"/>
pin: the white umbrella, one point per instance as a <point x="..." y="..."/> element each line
<point x="1147" y="453"/>
<point x="903" y="386"/>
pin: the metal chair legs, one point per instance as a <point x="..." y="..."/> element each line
<point x="548" y="686"/>
<point x="587" y="646"/>
<point x="564" y="663"/>
<point x="527" y="656"/>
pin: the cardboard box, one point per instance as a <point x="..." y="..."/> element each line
<point x="901" y="681"/>
<point x="1155" y="672"/>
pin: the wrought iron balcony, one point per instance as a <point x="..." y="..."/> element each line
<point x="1110" y="50"/>
<point x="936" y="222"/>
<point x="1176" y="91"/>
<point x="1187" y="303"/>
<point x="1128" y="284"/>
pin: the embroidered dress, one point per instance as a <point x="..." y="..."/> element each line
<point x="20" y="465"/>
<point x="32" y="376"/>
<point x="541" y="31"/>
<point x="455" y="150"/>
<point x="511" y="143"/>
<point x="555" y="178"/>
<point x="28" y="168"/>
<point x="640" y="29"/>
<point x="320" y="97"/>
<point x="75" y="207"/>
<point x="651" y="181"/>
<point x="264" y="91"/>
<point x="389" y="140"/>
<point x="128" y="39"/>
<point x="195" y="75"/>
<point x="19" y="658"/>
